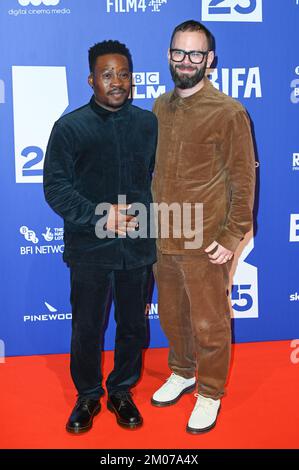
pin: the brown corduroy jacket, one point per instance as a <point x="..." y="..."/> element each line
<point x="205" y="155"/>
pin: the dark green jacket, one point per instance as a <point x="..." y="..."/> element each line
<point x="93" y="156"/>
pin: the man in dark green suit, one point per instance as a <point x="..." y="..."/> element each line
<point x="95" y="154"/>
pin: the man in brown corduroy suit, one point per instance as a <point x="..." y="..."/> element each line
<point x="205" y="155"/>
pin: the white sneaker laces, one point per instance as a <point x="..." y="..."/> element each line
<point x="204" y="402"/>
<point x="176" y="379"/>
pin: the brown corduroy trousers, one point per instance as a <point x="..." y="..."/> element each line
<point x="195" y="316"/>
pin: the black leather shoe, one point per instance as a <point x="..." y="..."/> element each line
<point x="82" y="415"/>
<point x="125" y="410"/>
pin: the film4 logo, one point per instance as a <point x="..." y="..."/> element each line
<point x="232" y="10"/>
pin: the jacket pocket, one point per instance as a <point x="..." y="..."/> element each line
<point x="196" y="161"/>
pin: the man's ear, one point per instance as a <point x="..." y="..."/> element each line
<point x="210" y="59"/>
<point x="90" y="80"/>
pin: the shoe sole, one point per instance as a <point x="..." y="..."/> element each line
<point x="160" y="404"/>
<point x="203" y="430"/>
<point x="81" y="430"/>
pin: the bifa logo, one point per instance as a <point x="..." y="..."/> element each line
<point x="146" y="85"/>
<point x="37" y="3"/>
<point x="231" y="10"/>
<point x="296" y="161"/>
<point x="294" y="228"/>
<point x="2" y="92"/>
<point x="237" y="82"/>
<point x="244" y="295"/>
<point x="33" y="120"/>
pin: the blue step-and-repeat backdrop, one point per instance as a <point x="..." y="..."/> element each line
<point x="43" y="74"/>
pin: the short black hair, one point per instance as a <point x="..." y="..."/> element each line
<point x="192" y="25"/>
<point x="108" y="47"/>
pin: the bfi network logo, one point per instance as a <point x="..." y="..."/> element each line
<point x="146" y="85"/>
<point x="37" y="3"/>
<point x="232" y="10"/>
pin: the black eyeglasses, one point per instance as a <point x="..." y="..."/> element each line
<point x="196" y="57"/>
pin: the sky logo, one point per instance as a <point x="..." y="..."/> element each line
<point x="232" y="10"/>
<point x="37" y="3"/>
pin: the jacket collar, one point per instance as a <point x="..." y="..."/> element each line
<point x="191" y="100"/>
<point x="105" y="113"/>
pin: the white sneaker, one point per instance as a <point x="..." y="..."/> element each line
<point x="174" y="387"/>
<point x="204" y="415"/>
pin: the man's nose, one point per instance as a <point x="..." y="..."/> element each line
<point x="115" y="80"/>
<point x="186" y="60"/>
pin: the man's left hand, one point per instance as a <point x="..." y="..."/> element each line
<point x="221" y="255"/>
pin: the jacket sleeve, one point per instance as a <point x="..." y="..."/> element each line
<point x="239" y="156"/>
<point x="59" y="180"/>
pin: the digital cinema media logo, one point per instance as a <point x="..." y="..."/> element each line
<point x="36" y="8"/>
<point x="232" y="10"/>
<point x="37" y="3"/>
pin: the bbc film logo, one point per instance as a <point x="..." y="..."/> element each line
<point x="232" y="10"/>
<point x="146" y="85"/>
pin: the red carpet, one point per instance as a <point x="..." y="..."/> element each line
<point x="260" y="411"/>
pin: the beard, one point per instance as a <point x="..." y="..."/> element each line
<point x="185" y="81"/>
